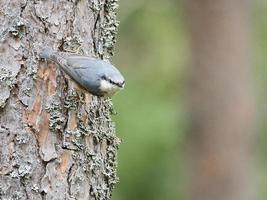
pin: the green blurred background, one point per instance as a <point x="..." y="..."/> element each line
<point x="152" y="52"/>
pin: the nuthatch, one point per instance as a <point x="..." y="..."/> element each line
<point x="94" y="75"/>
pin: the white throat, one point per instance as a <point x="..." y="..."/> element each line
<point x="108" y="88"/>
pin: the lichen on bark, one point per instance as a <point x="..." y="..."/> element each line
<point x="57" y="141"/>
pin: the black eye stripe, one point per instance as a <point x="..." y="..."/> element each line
<point x="112" y="82"/>
<point x="107" y="79"/>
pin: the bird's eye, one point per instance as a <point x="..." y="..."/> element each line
<point x="107" y="79"/>
<point x="104" y="77"/>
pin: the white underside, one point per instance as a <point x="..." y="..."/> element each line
<point x="108" y="88"/>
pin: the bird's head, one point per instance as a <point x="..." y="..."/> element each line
<point x="111" y="83"/>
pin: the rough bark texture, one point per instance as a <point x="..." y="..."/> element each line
<point x="222" y="105"/>
<point x="56" y="142"/>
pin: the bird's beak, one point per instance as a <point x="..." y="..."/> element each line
<point x="122" y="85"/>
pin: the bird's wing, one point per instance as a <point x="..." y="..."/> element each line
<point x="81" y="62"/>
<point x="83" y="68"/>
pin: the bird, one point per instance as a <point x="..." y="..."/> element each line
<point x="96" y="76"/>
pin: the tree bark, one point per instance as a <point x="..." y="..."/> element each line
<point x="221" y="101"/>
<point x="56" y="141"/>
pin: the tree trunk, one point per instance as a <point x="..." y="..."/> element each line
<point x="222" y="105"/>
<point x="56" y="141"/>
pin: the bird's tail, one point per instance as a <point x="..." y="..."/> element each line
<point x="46" y="53"/>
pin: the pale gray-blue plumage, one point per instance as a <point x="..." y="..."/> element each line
<point x="96" y="76"/>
